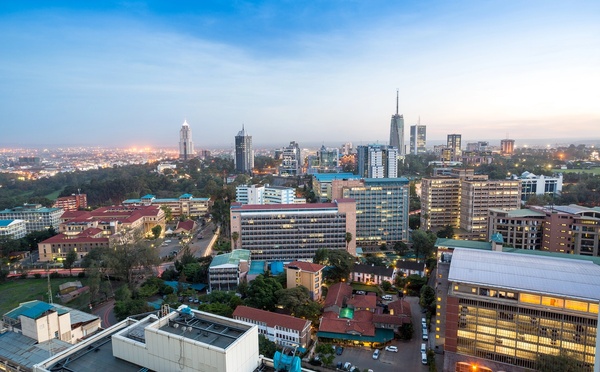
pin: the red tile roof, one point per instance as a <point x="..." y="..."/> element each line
<point x="269" y="318"/>
<point x="362" y="323"/>
<point x="186" y="225"/>
<point x="400" y="307"/>
<point x="363" y="302"/>
<point x="306" y="266"/>
<point x="94" y="236"/>
<point x="391" y="319"/>
<point x="337" y="293"/>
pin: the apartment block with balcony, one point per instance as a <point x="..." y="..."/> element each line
<point x="227" y="271"/>
<point x="440" y="202"/>
<point x="288" y="232"/>
<point x="13" y="229"/>
<point x="307" y="274"/>
<point x="520" y="228"/>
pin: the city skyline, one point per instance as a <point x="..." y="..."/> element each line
<point x="130" y="73"/>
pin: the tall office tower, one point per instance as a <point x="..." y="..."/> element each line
<point x="186" y="146"/>
<point x="507" y="146"/>
<point x="346" y="148"/>
<point x="291" y="161"/>
<point x="418" y="139"/>
<point x="454" y="143"/>
<point x="244" y="154"/>
<point x="377" y="161"/>
<point x="397" y="130"/>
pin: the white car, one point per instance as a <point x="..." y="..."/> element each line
<point x="376" y="354"/>
<point x="424" y="358"/>
<point x="391" y="348"/>
<point x="423" y="348"/>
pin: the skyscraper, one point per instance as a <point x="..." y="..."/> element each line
<point x="454" y="143"/>
<point x="418" y="139"/>
<point x="397" y="131"/>
<point x="244" y="154"/>
<point x="507" y="146"/>
<point x="377" y="161"/>
<point x="186" y="146"/>
<point x="291" y="161"/>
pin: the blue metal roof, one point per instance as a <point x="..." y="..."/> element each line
<point x="33" y="310"/>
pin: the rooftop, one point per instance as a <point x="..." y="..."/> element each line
<point x="519" y="212"/>
<point x="5" y="223"/>
<point x="537" y="274"/>
<point x="270" y="319"/>
<point x="306" y="266"/>
<point x="375" y="270"/>
<point x="25" y="351"/>
<point x="328" y="177"/>
<point x="232" y="258"/>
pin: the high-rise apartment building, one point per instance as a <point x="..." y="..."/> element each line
<point x="244" y="154"/>
<point x="465" y="198"/>
<point x="397" y="131"/>
<point x="377" y="161"/>
<point x="265" y="194"/>
<point x="454" y="143"/>
<point x="381" y="208"/>
<point x="186" y="146"/>
<point x="329" y="159"/>
<point x="418" y="139"/>
<point x="71" y="203"/>
<point x="507" y="146"/>
<point x="291" y="161"/>
<point x="287" y="232"/>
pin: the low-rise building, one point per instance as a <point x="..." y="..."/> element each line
<point x="371" y="274"/>
<point x="185" y="205"/>
<point x="185" y="339"/>
<point x="228" y="270"/>
<point x="409" y="268"/>
<point x="284" y="330"/>
<point x="13" y="229"/>
<point x="57" y="248"/>
<point x="539" y="185"/>
<point x="307" y="274"/>
<point x="72" y="202"/>
<point x="42" y="321"/>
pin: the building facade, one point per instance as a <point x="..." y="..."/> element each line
<point x="185" y="205"/>
<point x="71" y="203"/>
<point x="288" y="232"/>
<point x="228" y="270"/>
<point x="418" y="139"/>
<point x="539" y="185"/>
<point x="381" y="208"/>
<point x="397" y="131"/>
<point x="322" y="183"/>
<point x="36" y="217"/>
<point x="371" y="274"/>
<point x="13" y="229"/>
<point x="291" y="160"/>
<point x="503" y="311"/>
<point x="377" y="161"/>
<point x="186" y="145"/>
<point x="284" y="330"/>
<point x="244" y="153"/>
<point x="454" y="144"/>
<point x="307" y="274"/>
<point x="520" y="228"/>
<point x="259" y="194"/>
<point x="507" y="147"/>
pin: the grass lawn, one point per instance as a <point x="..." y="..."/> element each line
<point x="13" y="292"/>
<point x="54" y="195"/>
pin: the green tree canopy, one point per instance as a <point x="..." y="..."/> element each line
<point x="261" y="293"/>
<point x="423" y="243"/>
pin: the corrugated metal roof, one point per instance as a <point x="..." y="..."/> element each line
<point x="551" y="275"/>
<point x="26" y="351"/>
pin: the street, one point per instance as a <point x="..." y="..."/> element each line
<point x="105" y="312"/>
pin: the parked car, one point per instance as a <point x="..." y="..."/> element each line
<point x="424" y="322"/>
<point x="339" y="350"/>
<point x="424" y="358"/>
<point x="387" y="297"/>
<point x="347" y="366"/>
<point x="361" y="292"/>
<point x="376" y="354"/>
<point x="423" y="347"/>
<point x="391" y="348"/>
<point x="425" y="335"/>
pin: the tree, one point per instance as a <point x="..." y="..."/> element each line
<point x="266" y="347"/>
<point x="401" y="248"/>
<point x="156" y="230"/>
<point x="341" y="264"/>
<point x="69" y="261"/>
<point x="348" y="239"/>
<point x="291" y="298"/>
<point x="558" y="363"/>
<point x="321" y="256"/>
<point x="423" y="243"/>
<point x="261" y="293"/>
<point x="414" y="222"/>
<point x="447" y="232"/>
<point x="168" y="212"/>
<point x="235" y="236"/>
<point x="386" y="285"/>
<point x="427" y="299"/>
<point x="126" y="261"/>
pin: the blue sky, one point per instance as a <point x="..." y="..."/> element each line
<point x="129" y="73"/>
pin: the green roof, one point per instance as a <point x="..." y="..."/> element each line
<point x="233" y="258"/>
<point x="381" y="335"/>
<point x="454" y="243"/>
<point x="595" y="260"/>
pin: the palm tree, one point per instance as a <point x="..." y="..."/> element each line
<point x="235" y="236"/>
<point x="348" y="239"/>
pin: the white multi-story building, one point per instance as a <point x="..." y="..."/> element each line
<point x="186" y="145"/>
<point x="284" y="330"/>
<point x="185" y="205"/>
<point x="539" y="185"/>
<point x="14" y="229"/>
<point x="258" y="194"/>
<point x="291" y="160"/>
<point x="377" y="161"/>
<point x="227" y="270"/>
<point x="36" y="217"/>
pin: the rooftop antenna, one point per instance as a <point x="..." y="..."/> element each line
<point x="419" y="120"/>
<point x="397" y="101"/>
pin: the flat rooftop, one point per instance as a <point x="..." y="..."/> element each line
<point x="205" y="329"/>
<point x="531" y="273"/>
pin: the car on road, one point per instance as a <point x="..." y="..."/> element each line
<point x="167" y="241"/>
<point x="347" y="366"/>
<point x="387" y="297"/>
<point x="423" y="347"/>
<point x="424" y="358"/>
<point x="391" y="348"/>
<point x="361" y="292"/>
<point x="376" y="354"/>
<point x="339" y="350"/>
